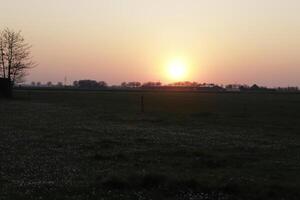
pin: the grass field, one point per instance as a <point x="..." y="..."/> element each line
<point x="98" y="145"/>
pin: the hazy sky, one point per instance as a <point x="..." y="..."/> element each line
<point x="222" y="41"/>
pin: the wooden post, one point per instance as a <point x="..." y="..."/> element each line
<point x="142" y="104"/>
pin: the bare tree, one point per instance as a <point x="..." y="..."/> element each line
<point x="3" y="49"/>
<point x="15" y="59"/>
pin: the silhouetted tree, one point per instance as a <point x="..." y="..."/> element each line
<point x="184" y="84"/>
<point x="138" y="84"/>
<point x="75" y="84"/>
<point x="15" y="57"/>
<point x="152" y="84"/>
<point x="49" y="84"/>
<point x="124" y="84"/>
<point x="131" y="84"/>
<point x="60" y="84"/>
<point x="89" y="84"/>
<point x="102" y="84"/>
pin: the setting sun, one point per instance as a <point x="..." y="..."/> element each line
<point x="177" y="69"/>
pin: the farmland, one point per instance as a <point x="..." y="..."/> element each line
<point x="99" y="145"/>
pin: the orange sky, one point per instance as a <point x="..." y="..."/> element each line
<point x="222" y="41"/>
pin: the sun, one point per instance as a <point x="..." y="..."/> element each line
<point x="177" y="69"/>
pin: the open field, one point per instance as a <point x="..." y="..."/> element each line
<point x="87" y="145"/>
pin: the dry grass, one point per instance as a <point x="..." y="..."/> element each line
<point x="87" y="145"/>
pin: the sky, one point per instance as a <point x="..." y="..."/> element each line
<point x="219" y="41"/>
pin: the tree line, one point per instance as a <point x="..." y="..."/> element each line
<point x="187" y="85"/>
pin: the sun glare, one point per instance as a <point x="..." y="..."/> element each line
<point x="177" y="69"/>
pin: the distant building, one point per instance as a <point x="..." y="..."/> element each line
<point x="233" y="88"/>
<point x="288" y="89"/>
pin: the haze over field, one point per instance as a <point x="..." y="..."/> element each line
<point x="221" y="41"/>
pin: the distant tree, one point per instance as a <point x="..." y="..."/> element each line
<point x="132" y="84"/>
<point x="49" y="84"/>
<point x="87" y="84"/>
<point x="102" y="84"/>
<point x="75" y="84"/>
<point x="194" y="84"/>
<point x="124" y="84"/>
<point x="90" y="84"/>
<point x="183" y="84"/>
<point x="60" y="84"/>
<point x="32" y="83"/>
<point x="152" y="84"/>
<point x="15" y="59"/>
<point x="138" y="84"/>
<point x="244" y="87"/>
<point x="158" y="84"/>
<point x="38" y="84"/>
